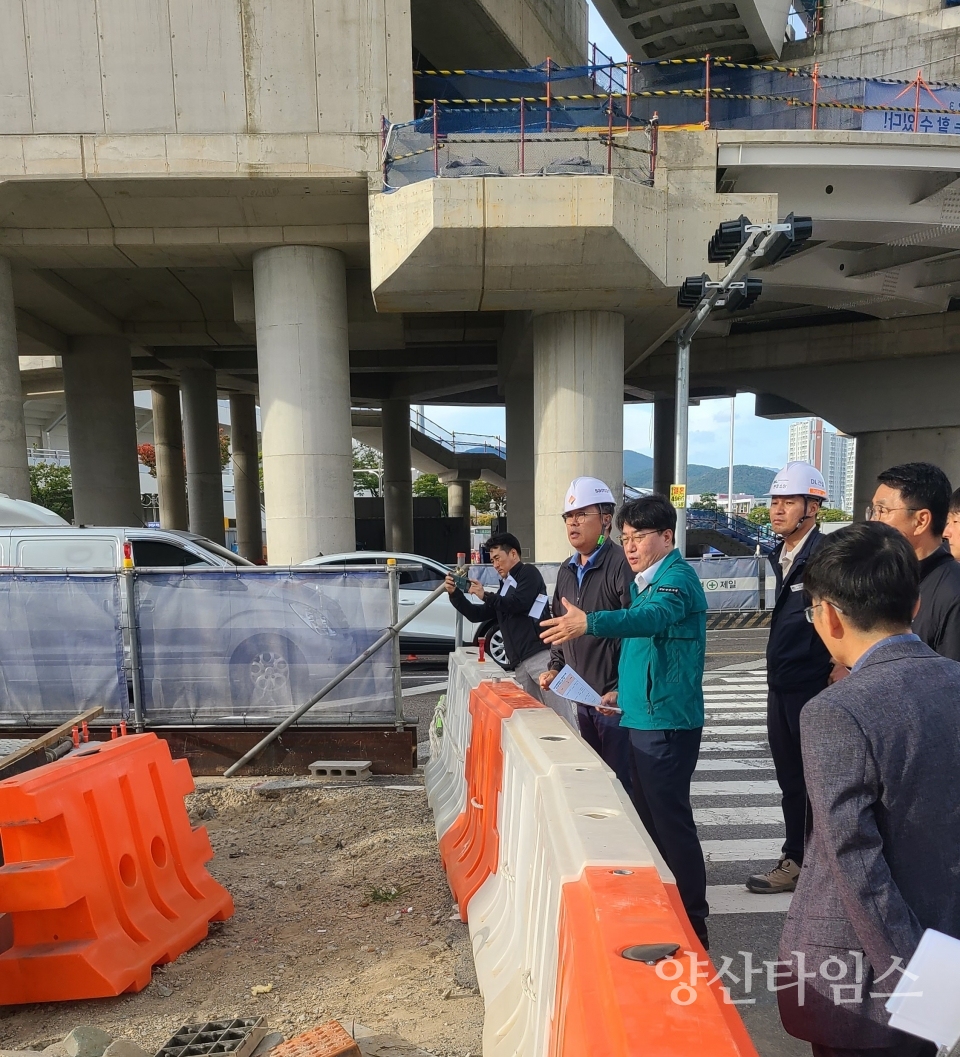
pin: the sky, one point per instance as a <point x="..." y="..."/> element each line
<point x="757" y="441"/>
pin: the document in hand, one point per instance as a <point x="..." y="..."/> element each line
<point x="924" y="1002"/>
<point x="569" y="685"/>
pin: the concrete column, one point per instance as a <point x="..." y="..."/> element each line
<point x="14" y="474"/>
<point x="102" y="431"/>
<point x="168" y="444"/>
<point x="458" y="498"/>
<point x="397" y="480"/>
<point x="577" y="413"/>
<point x="304" y="366"/>
<point x="246" y="475"/>
<point x="879" y="451"/>
<point x="664" y="443"/>
<point x="201" y="441"/>
<point x="520" y="516"/>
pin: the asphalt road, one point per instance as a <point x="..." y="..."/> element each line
<point x="736" y="803"/>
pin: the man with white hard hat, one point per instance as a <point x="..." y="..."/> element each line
<point x="798" y="664"/>
<point x="597" y="577"/>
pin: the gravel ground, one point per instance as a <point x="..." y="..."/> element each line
<point x="342" y="909"/>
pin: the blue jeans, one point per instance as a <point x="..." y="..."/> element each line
<point x="663" y="764"/>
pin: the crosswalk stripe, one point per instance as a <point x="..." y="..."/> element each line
<point x="738" y="816"/>
<point x="720" y="731"/>
<point x="734" y="788"/>
<point x="749" y="763"/>
<point x="735" y="899"/>
<point x="734" y="746"/>
<point x="719" y="717"/>
<point x="749" y="850"/>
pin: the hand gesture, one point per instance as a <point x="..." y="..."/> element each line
<point x="608" y="704"/>
<point x="546" y="678"/>
<point x="571" y="625"/>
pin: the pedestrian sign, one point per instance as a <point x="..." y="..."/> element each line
<point x="678" y="495"/>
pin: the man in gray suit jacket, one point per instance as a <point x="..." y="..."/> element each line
<point x="881" y="753"/>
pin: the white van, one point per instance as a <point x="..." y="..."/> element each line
<point x="67" y="547"/>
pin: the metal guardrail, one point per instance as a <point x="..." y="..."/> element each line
<point x="734" y="526"/>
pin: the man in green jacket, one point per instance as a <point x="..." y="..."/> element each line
<point x="664" y="633"/>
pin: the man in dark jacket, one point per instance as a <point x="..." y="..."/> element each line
<point x="597" y="577"/>
<point x="883" y="843"/>
<point x="518" y="607"/>
<point x="798" y="664"/>
<point x="915" y="498"/>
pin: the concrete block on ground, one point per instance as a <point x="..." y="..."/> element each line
<point x="341" y="770"/>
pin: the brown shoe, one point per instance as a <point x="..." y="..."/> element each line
<point x="782" y="878"/>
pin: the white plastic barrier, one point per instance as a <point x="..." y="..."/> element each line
<point x="444" y="775"/>
<point x="561" y="810"/>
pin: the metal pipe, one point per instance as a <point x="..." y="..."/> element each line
<point x="332" y="685"/>
<point x="610" y="131"/>
<point x="132" y="631"/>
<point x="393" y="575"/>
<point x="706" y="113"/>
<point x="733" y="402"/>
<point x="680" y="459"/>
<point x="548" y="93"/>
<point x="522" y="112"/>
<point x="629" y="79"/>
<point x="816" y="93"/>
<point x="436" y="149"/>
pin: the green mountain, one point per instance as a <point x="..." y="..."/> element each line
<point x="753" y="480"/>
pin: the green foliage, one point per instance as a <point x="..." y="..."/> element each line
<point x="760" y="515"/>
<point x="707" y="501"/>
<point x="429" y="484"/>
<point x="368" y="459"/>
<point x="488" y="498"/>
<point x="832" y="514"/>
<point x="51" y="486"/>
<point x="224" y="451"/>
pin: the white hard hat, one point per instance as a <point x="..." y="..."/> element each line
<point x="799" y="478"/>
<point x="586" y="491"/>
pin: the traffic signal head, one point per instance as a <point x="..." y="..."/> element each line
<point x="737" y="299"/>
<point x="692" y="290"/>
<point x="727" y="240"/>
<point x="787" y="243"/>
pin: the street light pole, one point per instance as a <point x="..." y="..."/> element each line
<point x="680" y="451"/>
<point x="733" y="402"/>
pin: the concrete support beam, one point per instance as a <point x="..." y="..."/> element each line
<point x="201" y="435"/>
<point x="577" y="413"/>
<point x="14" y="475"/>
<point x="879" y="451"/>
<point x="458" y="497"/>
<point x="246" y="475"/>
<point x="397" y="479"/>
<point x="520" y="431"/>
<point x="304" y="368"/>
<point x="102" y="431"/>
<point x="664" y="442"/>
<point x="168" y="444"/>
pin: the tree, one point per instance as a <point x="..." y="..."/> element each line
<point x="760" y="515"/>
<point x="488" y="498"/>
<point x="830" y="513"/>
<point x="707" y="501"/>
<point x="224" y="451"/>
<point x="368" y="459"/>
<point x="51" y="486"/>
<point x="429" y="484"/>
<point x="147" y="455"/>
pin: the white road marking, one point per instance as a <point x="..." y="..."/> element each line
<point x="738" y="816"/>
<point x="755" y="850"/>
<point x="720" y="717"/>
<point x="715" y="732"/>
<point x="752" y="763"/>
<point x="735" y="899"/>
<point x="734" y="788"/>
<point x="734" y="746"/>
<point x="428" y="688"/>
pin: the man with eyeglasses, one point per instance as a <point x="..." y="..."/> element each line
<point x="951" y="531"/>
<point x="597" y="577"/>
<point x="798" y="664"/>
<point x="663" y="643"/>
<point x="914" y="498"/>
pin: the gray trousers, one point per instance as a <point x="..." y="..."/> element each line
<point x="528" y="672"/>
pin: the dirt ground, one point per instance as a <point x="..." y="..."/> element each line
<point x="342" y="909"/>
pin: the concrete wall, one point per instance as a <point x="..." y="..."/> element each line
<point x="203" y="66"/>
<point x="891" y="38"/>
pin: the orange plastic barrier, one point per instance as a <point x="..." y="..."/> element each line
<point x="610" y="1005"/>
<point x="103" y="875"/>
<point x="470" y="848"/>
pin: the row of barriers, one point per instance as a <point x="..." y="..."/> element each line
<point x="573" y="914"/>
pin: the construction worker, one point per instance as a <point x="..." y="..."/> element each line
<point x="798" y="664"/>
<point x="597" y="577"/>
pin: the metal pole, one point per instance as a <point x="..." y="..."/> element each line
<point x="706" y="109"/>
<point x="458" y="631"/>
<point x="333" y="684"/>
<point x="680" y="461"/>
<point x="548" y="93"/>
<point x="436" y="148"/>
<point x="816" y="93"/>
<point x="134" y="634"/>
<point x="733" y="401"/>
<point x="610" y="132"/>
<point x="393" y="573"/>
<point x="629" y="79"/>
<point x="521" y="135"/>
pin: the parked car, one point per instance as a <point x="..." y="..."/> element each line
<point x="434" y="631"/>
<point x="68" y="547"/>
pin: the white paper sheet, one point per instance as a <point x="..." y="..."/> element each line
<point x="507" y="584"/>
<point x="927" y="1006"/>
<point x="570" y="686"/>
<point x="536" y="610"/>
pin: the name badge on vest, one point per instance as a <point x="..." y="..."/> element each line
<point x="797" y="587"/>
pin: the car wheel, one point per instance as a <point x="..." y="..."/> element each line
<point x="267" y="671"/>
<point x="496" y="649"/>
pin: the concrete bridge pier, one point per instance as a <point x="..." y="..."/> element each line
<point x="101" y="425"/>
<point x="664" y="443"/>
<point x="458" y="497"/>
<point x="201" y="434"/>
<point x="518" y="397"/>
<point x="879" y="451"/>
<point x="577" y="413"/>
<point x="300" y="295"/>
<point x="397" y="481"/>
<point x="14" y="473"/>
<point x="246" y="475"/>
<point x="168" y="446"/>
